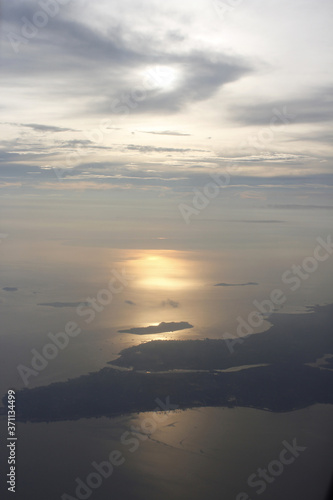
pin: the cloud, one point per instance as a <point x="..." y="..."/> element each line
<point x="70" y="36"/>
<point x="237" y="284"/>
<point x="7" y="157"/>
<point x="170" y="303"/>
<point x="259" y="221"/>
<point x="10" y="289"/>
<point x="324" y="137"/>
<point x="180" y="176"/>
<point x="63" y="304"/>
<point x="200" y="78"/>
<point x="43" y="128"/>
<point x="93" y="60"/>
<point x="70" y="44"/>
<point x="268" y="157"/>
<point x="165" y="132"/>
<point x="301" y="207"/>
<point x="316" y="107"/>
<point x="153" y="149"/>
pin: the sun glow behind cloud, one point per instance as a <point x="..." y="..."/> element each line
<point x="164" y="78"/>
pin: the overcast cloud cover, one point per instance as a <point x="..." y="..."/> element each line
<point x="116" y="95"/>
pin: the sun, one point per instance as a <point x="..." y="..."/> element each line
<point x="163" y="77"/>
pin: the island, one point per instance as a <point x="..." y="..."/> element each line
<point x="161" y="328"/>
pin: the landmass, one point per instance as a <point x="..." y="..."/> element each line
<point x="109" y="392"/>
<point x="285" y="383"/>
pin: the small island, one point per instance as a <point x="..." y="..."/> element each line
<point x="161" y="328"/>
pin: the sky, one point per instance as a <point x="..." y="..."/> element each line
<point x="144" y="100"/>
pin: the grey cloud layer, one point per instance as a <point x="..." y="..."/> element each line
<point x="120" y="174"/>
<point x="317" y="107"/>
<point x="165" y="132"/>
<point x="63" y="304"/>
<point x="87" y="69"/>
<point x="67" y="46"/>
